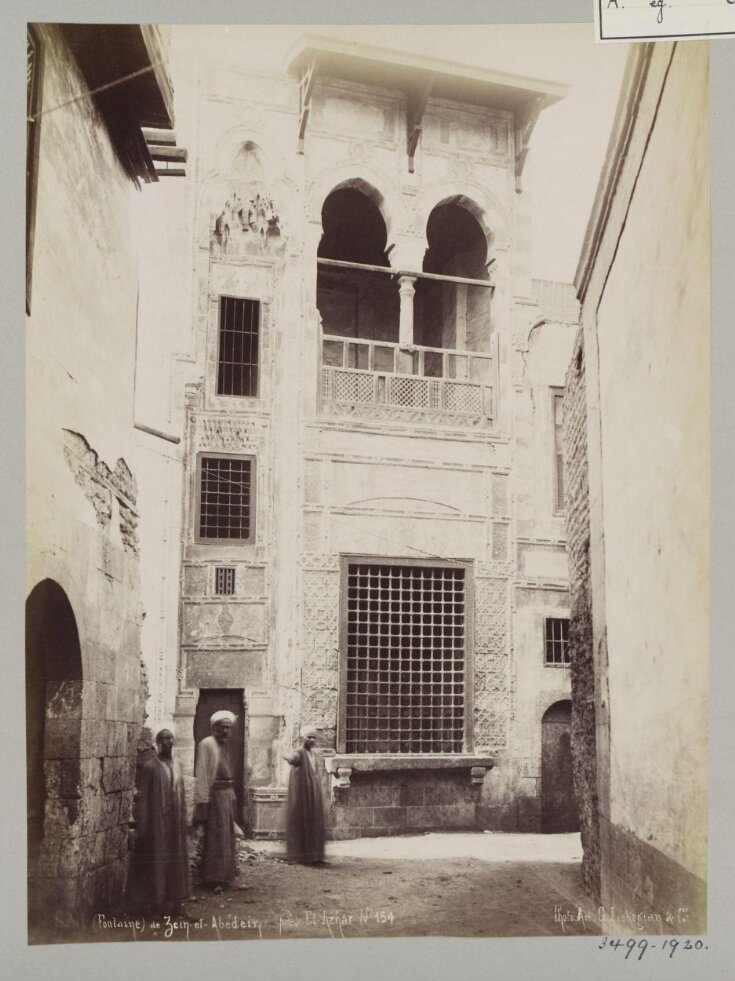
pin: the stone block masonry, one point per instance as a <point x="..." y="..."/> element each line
<point x="584" y="749"/>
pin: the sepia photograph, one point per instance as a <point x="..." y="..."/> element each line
<point x="367" y="484"/>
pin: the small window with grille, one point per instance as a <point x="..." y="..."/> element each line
<point x="239" y="336"/>
<point x="224" y="580"/>
<point x="559" y="452"/>
<point x="225" y="504"/>
<point x="556" y="649"/>
<point x="404" y="658"/>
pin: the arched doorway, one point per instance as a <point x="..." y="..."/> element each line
<point x="53" y="658"/>
<point x="558" y="806"/>
<point x="213" y="700"/>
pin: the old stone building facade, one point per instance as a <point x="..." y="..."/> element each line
<point x="84" y="689"/>
<point x="637" y="439"/>
<point x="373" y="535"/>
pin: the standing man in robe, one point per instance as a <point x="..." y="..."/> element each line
<point x="305" y="805"/>
<point x="214" y="802"/>
<point x="162" y="856"/>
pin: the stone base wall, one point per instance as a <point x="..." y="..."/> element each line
<point x="644" y="882"/>
<point x="395" y="803"/>
<point x="521" y="814"/>
<point x="90" y="779"/>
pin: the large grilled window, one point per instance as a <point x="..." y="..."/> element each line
<point x="404" y="668"/>
<point x="239" y="335"/>
<point x="226" y="498"/>
<point x="556" y="648"/>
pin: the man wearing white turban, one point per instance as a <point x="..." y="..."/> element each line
<point x="304" y="804"/>
<point x="214" y="802"/>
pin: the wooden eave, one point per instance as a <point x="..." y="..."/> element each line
<point x="421" y="78"/>
<point x="124" y="68"/>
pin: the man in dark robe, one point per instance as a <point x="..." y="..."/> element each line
<point x="214" y="803"/>
<point x="305" y="805"/>
<point x="161" y="854"/>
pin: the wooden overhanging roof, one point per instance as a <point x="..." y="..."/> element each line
<point x="421" y="78"/>
<point x="124" y="67"/>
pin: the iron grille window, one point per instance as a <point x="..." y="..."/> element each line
<point x="224" y="580"/>
<point x="559" y="453"/>
<point x="556" y="650"/>
<point x="405" y="659"/>
<point x="239" y="330"/>
<point x="226" y="492"/>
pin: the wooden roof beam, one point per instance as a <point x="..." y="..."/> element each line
<point x="306" y="90"/>
<point x="525" y="121"/>
<point x="415" y="108"/>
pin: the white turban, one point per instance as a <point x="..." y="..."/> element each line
<point x="307" y="731"/>
<point x="222" y="716"/>
<point x="164" y="727"/>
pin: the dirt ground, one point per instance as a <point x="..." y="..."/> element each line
<point x="443" y="885"/>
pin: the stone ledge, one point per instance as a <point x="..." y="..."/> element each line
<point x="367" y="762"/>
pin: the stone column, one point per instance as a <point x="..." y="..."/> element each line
<point x="406" y="292"/>
<point x="405" y="324"/>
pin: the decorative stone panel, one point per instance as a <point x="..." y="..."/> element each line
<point x="500" y="495"/>
<point x="501" y="534"/>
<point x="224" y="669"/>
<point x="490" y="683"/>
<point x="203" y="622"/>
<point x="320" y="678"/>
<point x="228" y="435"/>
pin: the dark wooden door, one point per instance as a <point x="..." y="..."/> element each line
<point x="232" y="699"/>
<point x="558" y="806"/>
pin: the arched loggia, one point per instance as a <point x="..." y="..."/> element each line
<point x="355" y="300"/>
<point x="447" y="313"/>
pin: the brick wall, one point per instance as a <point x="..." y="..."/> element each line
<point x="584" y="750"/>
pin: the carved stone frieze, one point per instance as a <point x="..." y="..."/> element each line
<point x="226" y="433"/>
<point x="319" y="562"/>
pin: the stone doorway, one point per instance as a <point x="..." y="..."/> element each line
<point x="233" y="700"/>
<point x="53" y="688"/>
<point x="558" y="806"/>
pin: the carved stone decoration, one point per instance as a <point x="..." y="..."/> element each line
<point x="340" y="785"/>
<point x="222" y="433"/>
<point x="491" y="615"/>
<point x="225" y="621"/>
<point x="101" y="485"/>
<point x="320" y="562"/>
<point x="321" y="647"/>
<point x="246" y="223"/>
<point x="459" y="167"/>
<point x="360" y="151"/>
<point x="491" y="684"/>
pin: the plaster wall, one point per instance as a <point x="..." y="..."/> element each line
<point x="656" y="515"/>
<point x="81" y="492"/>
